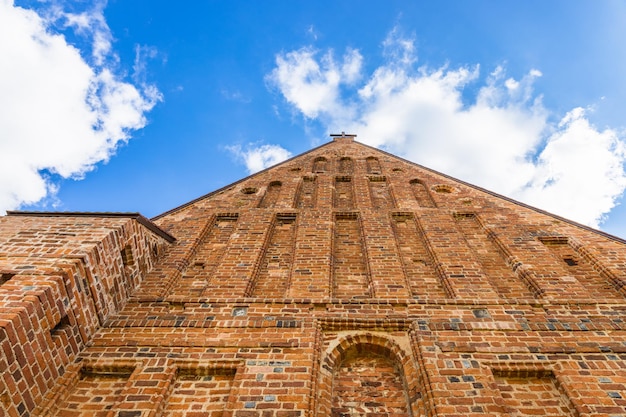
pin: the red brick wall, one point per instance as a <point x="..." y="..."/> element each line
<point x="68" y="276"/>
<point x="342" y="281"/>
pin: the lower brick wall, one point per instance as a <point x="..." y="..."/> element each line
<point x="251" y="362"/>
<point x="200" y="391"/>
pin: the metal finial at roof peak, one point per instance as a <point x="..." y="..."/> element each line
<point x="343" y="135"/>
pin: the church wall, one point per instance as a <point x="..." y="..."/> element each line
<point x="361" y="285"/>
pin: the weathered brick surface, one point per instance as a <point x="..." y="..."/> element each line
<point x="368" y="385"/>
<point x="342" y="282"/>
<point x="69" y="274"/>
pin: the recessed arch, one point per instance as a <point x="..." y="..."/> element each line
<point x="443" y="188"/>
<point x="306" y="195"/>
<point x="320" y="165"/>
<point x="271" y="195"/>
<point x="368" y="374"/>
<point x="373" y="165"/>
<point x="421" y="193"/>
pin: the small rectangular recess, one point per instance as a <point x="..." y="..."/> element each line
<point x="570" y="261"/>
<point x="522" y="373"/>
<point x="94" y="389"/>
<point x="62" y="325"/>
<point x="227" y="217"/>
<point x="201" y="389"/>
<point x="286" y="217"/>
<point x="201" y="373"/>
<point x="554" y="240"/>
<point x="106" y="372"/>
<point x="533" y="390"/>
<point x="343" y="178"/>
<point x="127" y="255"/>
<point x="464" y="215"/>
<point x="350" y="215"/>
<point x="378" y="178"/>
<point x="402" y="216"/>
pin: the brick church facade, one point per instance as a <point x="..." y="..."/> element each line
<point x="343" y="282"/>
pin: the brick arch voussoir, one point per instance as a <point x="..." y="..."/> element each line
<point x="369" y="342"/>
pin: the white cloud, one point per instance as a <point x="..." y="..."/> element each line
<point x="398" y="49"/>
<point x="502" y="138"/>
<point x="312" y="85"/>
<point x="59" y="114"/>
<point x="143" y="53"/>
<point x="257" y="158"/>
<point x="579" y="172"/>
<point x="312" y="32"/>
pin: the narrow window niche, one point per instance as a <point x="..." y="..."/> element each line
<point x="271" y="195"/>
<point x="486" y="251"/>
<point x="421" y="194"/>
<point x="320" y="165"/>
<point x="307" y="193"/>
<point x="373" y="165"/>
<point x="344" y="193"/>
<point x="346" y="165"/>
<point x="419" y="264"/>
<point x="208" y="255"/>
<point x="350" y="272"/>
<point x="380" y="194"/>
<point x="272" y="279"/>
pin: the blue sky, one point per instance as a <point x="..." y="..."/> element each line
<point x="144" y="105"/>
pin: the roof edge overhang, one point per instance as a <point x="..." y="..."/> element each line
<point x="144" y="221"/>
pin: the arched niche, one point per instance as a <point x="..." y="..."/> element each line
<point x="368" y="374"/>
<point x="320" y="165"/>
<point x="373" y="165"/>
<point x="421" y="193"/>
<point x="306" y="196"/>
<point x="271" y="195"/>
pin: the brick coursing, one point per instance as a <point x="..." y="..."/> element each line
<point x="345" y="281"/>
